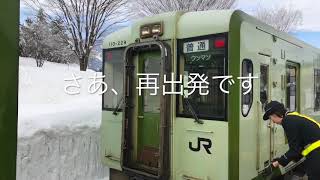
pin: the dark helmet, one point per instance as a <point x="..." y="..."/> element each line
<point x="272" y="107"/>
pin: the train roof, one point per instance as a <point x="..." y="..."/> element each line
<point x="180" y="25"/>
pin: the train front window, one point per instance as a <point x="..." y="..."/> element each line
<point x="201" y="59"/>
<point x="113" y="71"/>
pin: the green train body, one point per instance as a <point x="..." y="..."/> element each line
<point x="157" y="137"/>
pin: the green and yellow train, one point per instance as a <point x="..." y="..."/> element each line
<point x="210" y="136"/>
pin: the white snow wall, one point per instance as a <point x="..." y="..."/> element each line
<point x="71" y="155"/>
<point x="58" y="133"/>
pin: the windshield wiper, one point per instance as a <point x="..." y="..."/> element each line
<point x="193" y="113"/>
<point x="116" y="110"/>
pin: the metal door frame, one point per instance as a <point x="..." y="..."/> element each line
<point x="165" y="110"/>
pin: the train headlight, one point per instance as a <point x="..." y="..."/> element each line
<point x="156" y="29"/>
<point x="150" y="30"/>
<point x="145" y="31"/>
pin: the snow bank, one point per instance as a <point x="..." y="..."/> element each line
<point x="71" y="155"/>
<point x="43" y="104"/>
<point x="58" y="133"/>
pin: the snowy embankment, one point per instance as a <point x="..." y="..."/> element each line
<point x="58" y="133"/>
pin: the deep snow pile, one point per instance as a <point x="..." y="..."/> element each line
<point x="58" y="133"/>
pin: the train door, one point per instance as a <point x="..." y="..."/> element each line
<point x="277" y="93"/>
<point x="264" y="133"/>
<point x="145" y="142"/>
<point x="289" y="90"/>
<point x="149" y="113"/>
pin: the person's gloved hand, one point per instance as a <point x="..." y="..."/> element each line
<point x="275" y="164"/>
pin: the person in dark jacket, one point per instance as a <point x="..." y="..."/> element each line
<point x="303" y="134"/>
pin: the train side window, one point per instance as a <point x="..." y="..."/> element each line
<point x="264" y="85"/>
<point x="317" y="89"/>
<point x="291" y="91"/>
<point x="246" y="100"/>
<point x="113" y="69"/>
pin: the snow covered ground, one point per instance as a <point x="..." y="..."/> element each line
<point x="58" y="133"/>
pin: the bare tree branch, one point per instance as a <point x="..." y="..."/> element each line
<point x="282" y="18"/>
<point x="84" y="20"/>
<point x="150" y="7"/>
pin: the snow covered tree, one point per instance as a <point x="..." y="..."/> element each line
<point x="26" y="38"/>
<point x="43" y="40"/>
<point x="33" y="38"/>
<point x="85" y="21"/>
<point x="61" y="50"/>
